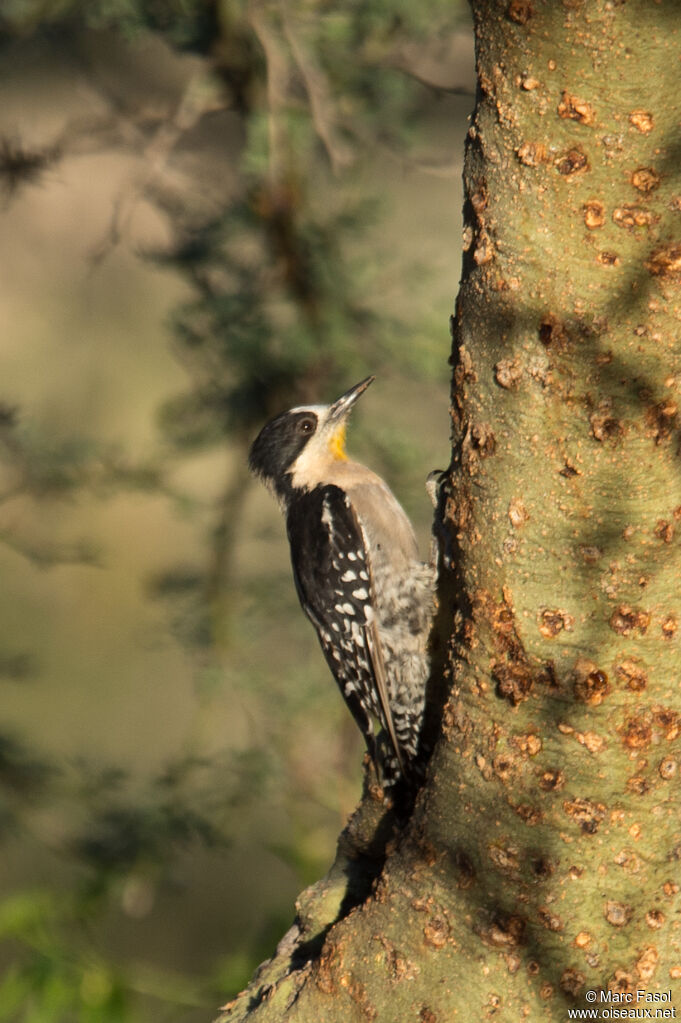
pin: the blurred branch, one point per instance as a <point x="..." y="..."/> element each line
<point x="277" y="86"/>
<point x="319" y="94"/>
<point x="199" y="98"/>
<point x="226" y="529"/>
<point x="20" y="165"/>
<point x="47" y="555"/>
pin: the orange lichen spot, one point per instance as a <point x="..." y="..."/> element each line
<point x="530" y="815"/>
<point x="630" y="216"/>
<point x="511" y="670"/>
<point x="575" y="109"/>
<point x="590" y="553"/>
<point x="629" y="861"/>
<point x="583" y="939"/>
<point x="572" y="981"/>
<point x="552" y="332"/>
<point x="529" y="83"/>
<point x="633" y="675"/>
<point x="505" y="931"/>
<point x="667" y="768"/>
<point x="645" y="179"/>
<point x="670" y="888"/>
<point x="552" y="780"/>
<point x="655" y="919"/>
<point x="636" y="732"/>
<point x="618" y="914"/>
<point x="484" y="249"/>
<point x="554" y="621"/>
<point x="506" y="859"/>
<point x="622" y="983"/>
<point x="665" y="261"/>
<point x="592" y="741"/>
<point x="642" y="120"/>
<point x="664" y="530"/>
<point x="547" y="990"/>
<point x="604" y="426"/>
<point x="669" y="626"/>
<point x="514" y="682"/>
<point x="517" y="512"/>
<point x="483" y="440"/>
<point x="532" y="154"/>
<point x="508" y="374"/>
<point x="574" y="161"/>
<point x="646" y="964"/>
<point x="519" y="11"/>
<point x="625" y="619"/>
<point x="661" y="419"/>
<point x="594" y="214"/>
<point x="530" y="745"/>
<point x="480" y="198"/>
<point x="668" y="721"/>
<point x="546" y="676"/>
<point x="399" y="967"/>
<point x="608" y="258"/>
<point x="513" y="962"/>
<point x="638" y="785"/>
<point x="548" y="919"/>
<point x="504" y="766"/>
<point x="436" y="931"/>
<point x="586" y="813"/>
<point x="591" y="683"/>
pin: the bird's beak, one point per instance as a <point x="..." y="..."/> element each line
<point x="340" y="408"/>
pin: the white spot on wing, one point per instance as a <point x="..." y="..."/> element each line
<point x="327" y="517"/>
<point x="346" y="609"/>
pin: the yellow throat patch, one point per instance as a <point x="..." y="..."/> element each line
<point x="337" y="443"/>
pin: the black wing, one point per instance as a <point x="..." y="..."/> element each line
<point x="333" y="577"/>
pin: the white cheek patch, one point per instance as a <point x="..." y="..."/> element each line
<point x="311" y="467"/>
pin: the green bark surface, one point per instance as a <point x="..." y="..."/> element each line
<point x="543" y="857"/>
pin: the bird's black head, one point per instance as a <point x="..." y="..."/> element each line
<point x="316" y="430"/>
<point x="279" y="443"/>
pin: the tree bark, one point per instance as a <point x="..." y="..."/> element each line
<point x="542" y="860"/>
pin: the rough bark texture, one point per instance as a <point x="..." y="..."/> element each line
<point x="543" y="857"/>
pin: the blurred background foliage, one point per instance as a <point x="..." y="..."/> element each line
<point x="212" y="210"/>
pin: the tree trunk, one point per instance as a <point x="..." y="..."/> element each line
<point x="542" y="861"/>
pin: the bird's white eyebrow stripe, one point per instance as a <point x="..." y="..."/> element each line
<point x="317" y="409"/>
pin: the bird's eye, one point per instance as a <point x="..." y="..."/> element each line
<point x="306" y="426"/>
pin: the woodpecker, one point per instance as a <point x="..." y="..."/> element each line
<point x="357" y="572"/>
